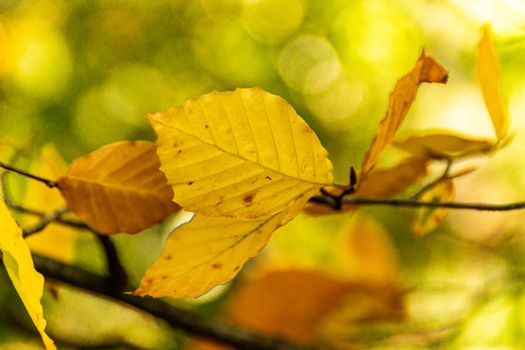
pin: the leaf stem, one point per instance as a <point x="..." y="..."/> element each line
<point x="47" y="182"/>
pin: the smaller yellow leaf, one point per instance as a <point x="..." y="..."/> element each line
<point x="489" y="77"/>
<point x="19" y="265"/>
<point x="442" y="144"/>
<point x="426" y="70"/>
<point x="209" y="251"/>
<point x="55" y="241"/>
<point x="118" y="188"/>
<point x="428" y="219"/>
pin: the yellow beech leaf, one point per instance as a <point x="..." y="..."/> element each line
<point x="428" y="219"/>
<point x="55" y="241"/>
<point x="209" y="251"/>
<point x="243" y="154"/>
<point x="444" y="145"/>
<point x="118" y="188"/>
<point x="426" y="70"/>
<point x="489" y="77"/>
<point x="19" y="265"/>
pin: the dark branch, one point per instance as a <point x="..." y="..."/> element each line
<point x="414" y="203"/>
<point x="184" y="320"/>
<point x="44" y="221"/>
<point x="117" y="274"/>
<point x="47" y="182"/>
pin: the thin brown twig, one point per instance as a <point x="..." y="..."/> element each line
<point x="443" y="177"/>
<point x="44" y="222"/>
<point x="414" y="203"/>
<point x="47" y="182"/>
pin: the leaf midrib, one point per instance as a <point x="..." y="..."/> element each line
<point x="239" y="156"/>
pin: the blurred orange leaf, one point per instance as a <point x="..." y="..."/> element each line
<point x="428" y="219"/>
<point x="55" y="241"/>
<point x="426" y="70"/>
<point x="379" y="183"/>
<point x="242" y="154"/>
<point x="443" y="144"/>
<point x="118" y="188"/>
<point x="489" y="77"/>
<point x="387" y="182"/>
<point x="19" y="265"/>
<point x="288" y="303"/>
<point x="372" y="258"/>
<point x="209" y="251"/>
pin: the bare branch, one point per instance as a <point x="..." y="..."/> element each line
<point x="44" y="221"/>
<point x="117" y="273"/>
<point x="184" y="320"/>
<point x="47" y="182"/>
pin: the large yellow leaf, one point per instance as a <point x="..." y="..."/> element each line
<point x="55" y="241"/>
<point x="426" y="70"/>
<point x="118" y="188"/>
<point x="209" y="251"/>
<point x="19" y="265"/>
<point x="428" y="219"/>
<point x="489" y="76"/>
<point x="442" y="144"/>
<point x="242" y="154"/>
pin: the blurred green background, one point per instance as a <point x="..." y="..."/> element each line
<point x="80" y="74"/>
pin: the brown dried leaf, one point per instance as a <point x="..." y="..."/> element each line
<point x="118" y="188"/>
<point x="426" y="70"/>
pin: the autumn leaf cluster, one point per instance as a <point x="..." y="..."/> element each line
<point x="244" y="163"/>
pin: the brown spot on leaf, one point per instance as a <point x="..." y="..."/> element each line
<point x="206" y="126"/>
<point x="168" y="257"/>
<point x="236" y="268"/>
<point x="268" y="178"/>
<point x="248" y="199"/>
<point x="216" y="265"/>
<point x="190" y="183"/>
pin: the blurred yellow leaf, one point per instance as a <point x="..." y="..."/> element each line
<point x="428" y="219"/>
<point x="443" y="144"/>
<point x="209" y="251"/>
<point x="243" y="154"/>
<point x="489" y="77"/>
<point x="426" y="70"/>
<point x="19" y="265"/>
<point x="55" y="241"/>
<point x="118" y="188"/>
